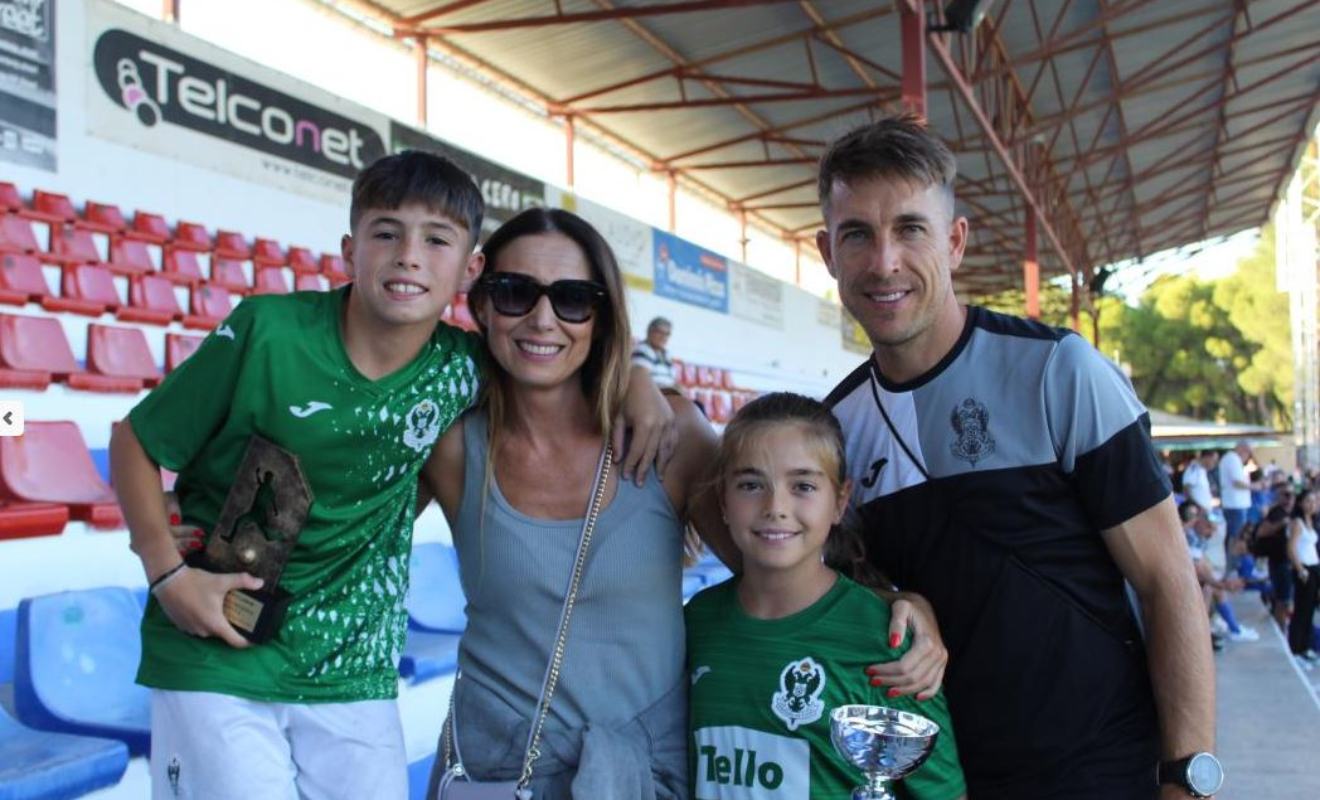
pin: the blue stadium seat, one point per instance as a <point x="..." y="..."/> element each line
<point x="428" y="655"/>
<point x="37" y="765"/>
<point x="691" y="585"/>
<point x="435" y="596"/>
<point x="435" y="613"/>
<point x="710" y="570"/>
<point x="419" y="774"/>
<point x="77" y="658"/>
<point x="8" y="639"/>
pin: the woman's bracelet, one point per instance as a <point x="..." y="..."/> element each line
<point x="166" y="576"/>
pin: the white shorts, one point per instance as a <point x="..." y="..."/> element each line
<point x="207" y="746"/>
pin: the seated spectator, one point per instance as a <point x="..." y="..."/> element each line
<point x="651" y="353"/>
<point x="1198" y="529"/>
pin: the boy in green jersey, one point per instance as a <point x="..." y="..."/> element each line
<point x="773" y="651"/>
<point x="358" y="384"/>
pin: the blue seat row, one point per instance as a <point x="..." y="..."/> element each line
<point x="75" y="658"/>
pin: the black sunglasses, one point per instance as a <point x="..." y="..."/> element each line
<point x="515" y="295"/>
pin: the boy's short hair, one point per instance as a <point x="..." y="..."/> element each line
<point x="416" y="176"/>
<point x="899" y="147"/>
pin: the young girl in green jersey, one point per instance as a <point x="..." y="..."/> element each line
<point x="773" y="651"/>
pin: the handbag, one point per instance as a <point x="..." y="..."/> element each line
<point x="455" y="784"/>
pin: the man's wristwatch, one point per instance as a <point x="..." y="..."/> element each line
<point x="1200" y="774"/>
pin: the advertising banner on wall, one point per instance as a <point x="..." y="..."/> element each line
<point x="755" y="296"/>
<point x="688" y="273"/>
<point x="629" y="239"/>
<point x="506" y="192"/>
<point x="161" y="90"/>
<point x="27" y="83"/>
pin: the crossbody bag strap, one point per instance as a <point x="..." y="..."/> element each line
<point x="551" y="679"/>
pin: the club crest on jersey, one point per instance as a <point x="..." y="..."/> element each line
<point x="971" y="422"/>
<point x="422" y="425"/>
<point x="798" y="700"/>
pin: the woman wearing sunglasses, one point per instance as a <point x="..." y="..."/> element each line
<point x="514" y="478"/>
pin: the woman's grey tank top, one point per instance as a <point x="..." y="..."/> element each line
<point x="625" y="647"/>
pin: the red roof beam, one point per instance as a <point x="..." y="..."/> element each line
<point x="696" y="65"/>
<point x="742" y="201"/>
<point x="883" y="93"/>
<point x="969" y="99"/>
<point x="768" y="162"/>
<point x="1165" y="123"/>
<point x="603" y="15"/>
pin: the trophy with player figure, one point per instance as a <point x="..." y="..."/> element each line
<point x="883" y="743"/>
<point x="263" y="514"/>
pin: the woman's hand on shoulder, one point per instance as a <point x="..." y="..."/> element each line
<point x="921" y="669"/>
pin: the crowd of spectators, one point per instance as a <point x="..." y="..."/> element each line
<point x="1266" y="517"/>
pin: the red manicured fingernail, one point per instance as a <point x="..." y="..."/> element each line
<point x="175" y="519"/>
<point x="893" y="693"/>
<point x="197" y="533"/>
<point x="194" y="545"/>
<point x="877" y="682"/>
<point x="895" y="640"/>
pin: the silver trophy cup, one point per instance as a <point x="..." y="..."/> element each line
<point x="883" y="743"/>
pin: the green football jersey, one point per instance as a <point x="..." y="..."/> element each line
<point x="277" y="368"/>
<point x="762" y="692"/>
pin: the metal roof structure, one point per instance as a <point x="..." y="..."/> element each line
<point x="1118" y="128"/>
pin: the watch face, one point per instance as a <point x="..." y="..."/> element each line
<point x="1204" y="775"/>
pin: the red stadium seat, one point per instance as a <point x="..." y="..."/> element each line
<point x="149" y="228"/>
<point x="726" y="380"/>
<point x="689" y="376"/>
<point x="103" y="218"/>
<point x="121" y="352"/>
<point x="85" y="289"/>
<point x="49" y="463"/>
<point x="270" y="280"/>
<point x="267" y="253"/>
<point x="721" y="406"/>
<point x="180" y="266"/>
<point x="178" y="346"/>
<point x="229" y="273"/>
<point x="229" y="244"/>
<point x="129" y="257"/>
<point x="10" y="199"/>
<point x="702" y="397"/>
<point x="302" y="261"/>
<point x="33" y="351"/>
<point x="303" y="282"/>
<point x="151" y="299"/>
<point x="51" y="207"/>
<point x="70" y="245"/>
<point x="462" y="313"/>
<point x="21" y="279"/>
<point x="191" y="236"/>
<point x="207" y="306"/>
<point x="708" y="377"/>
<point x="22" y="520"/>
<point x="332" y="267"/>
<point x="16" y="235"/>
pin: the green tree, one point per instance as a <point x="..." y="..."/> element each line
<point x="1055" y="303"/>
<point x="1209" y="349"/>
<point x="1260" y="312"/>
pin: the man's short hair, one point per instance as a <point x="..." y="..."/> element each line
<point x="1208" y="453"/>
<point x="415" y="176"/>
<point x="658" y="322"/>
<point x="900" y="147"/>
